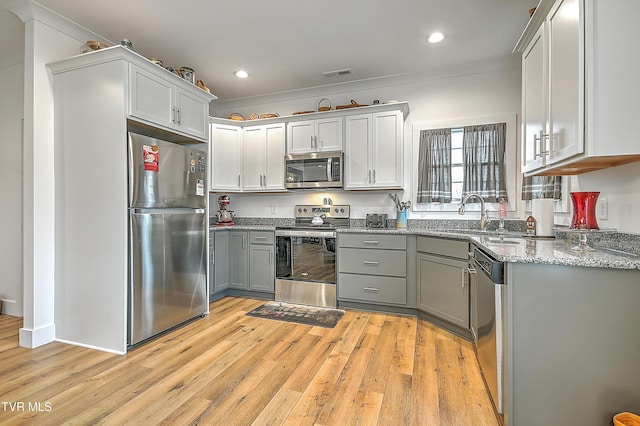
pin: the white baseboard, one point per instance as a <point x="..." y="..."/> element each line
<point x="68" y="342"/>
<point x="41" y="336"/>
<point x="11" y="307"/>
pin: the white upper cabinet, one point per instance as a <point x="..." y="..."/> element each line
<point x="263" y="158"/>
<point x="225" y="158"/>
<point x="374" y="149"/>
<point x="578" y="88"/>
<point x="314" y="135"/>
<point x="158" y="100"/>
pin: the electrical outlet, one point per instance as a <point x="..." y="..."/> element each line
<point x="602" y="208"/>
<point x="274" y="210"/>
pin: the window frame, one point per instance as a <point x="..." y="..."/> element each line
<point x="513" y="176"/>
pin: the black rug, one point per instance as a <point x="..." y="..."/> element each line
<point x="309" y="315"/>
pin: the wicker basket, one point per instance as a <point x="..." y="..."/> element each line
<point x="353" y="104"/>
<point x="236" y="116"/>
<point x="626" y="419"/>
<point x="324" y="107"/>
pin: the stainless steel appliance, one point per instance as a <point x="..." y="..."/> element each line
<point x="168" y="228"/>
<point x="306" y="255"/>
<point x="314" y="170"/>
<point x="490" y="312"/>
<point x="376" y="220"/>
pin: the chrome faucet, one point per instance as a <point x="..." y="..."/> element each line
<point x="484" y="220"/>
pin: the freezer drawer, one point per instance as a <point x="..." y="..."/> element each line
<point x="167" y="283"/>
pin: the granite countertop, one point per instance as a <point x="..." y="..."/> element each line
<point x="516" y="249"/>
<point x="519" y="249"/>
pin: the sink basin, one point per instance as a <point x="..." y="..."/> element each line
<point x="499" y="242"/>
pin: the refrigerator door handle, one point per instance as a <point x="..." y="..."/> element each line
<point x="167" y="211"/>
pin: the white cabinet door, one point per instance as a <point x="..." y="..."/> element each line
<point x="159" y="101"/>
<point x="252" y="158"/>
<point x="300" y="137"/>
<point x="566" y="81"/>
<point x="263" y="158"/>
<point x="315" y="135"/>
<point x="386" y="150"/>
<point x="534" y="103"/>
<point x="356" y="168"/>
<point x="225" y="155"/>
<point x="328" y="133"/>
<point x="192" y="114"/>
<point x="151" y="98"/>
<point x="374" y="149"/>
<point x="274" y="157"/>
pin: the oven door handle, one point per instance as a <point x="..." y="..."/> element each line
<point x="305" y="233"/>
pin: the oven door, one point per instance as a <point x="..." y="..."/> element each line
<point x="306" y="267"/>
<point x="306" y="255"/>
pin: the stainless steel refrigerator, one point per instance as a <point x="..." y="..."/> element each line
<point x="168" y="228"/>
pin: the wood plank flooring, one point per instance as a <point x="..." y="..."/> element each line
<point x="230" y="369"/>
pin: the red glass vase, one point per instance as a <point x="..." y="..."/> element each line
<point x="584" y="210"/>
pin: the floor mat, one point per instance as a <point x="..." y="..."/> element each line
<point x="309" y="315"/>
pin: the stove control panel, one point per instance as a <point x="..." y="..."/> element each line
<point x="332" y="211"/>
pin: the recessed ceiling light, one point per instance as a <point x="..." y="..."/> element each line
<point x="241" y="74"/>
<point x="436" y="37"/>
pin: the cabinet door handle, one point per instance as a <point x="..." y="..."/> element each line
<point x="372" y="289"/>
<point x="244" y="242"/>
<point x="311" y="141"/>
<point x="370" y="242"/>
<point x="369" y="176"/>
<point x="238" y="180"/>
<point x="464" y="277"/>
<point x="173" y="115"/>
<point x="270" y="258"/>
<point x="370" y="262"/>
<point x="374" y="175"/>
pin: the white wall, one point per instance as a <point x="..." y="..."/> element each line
<point x="48" y="37"/>
<point x="483" y="93"/>
<point x="11" y="113"/>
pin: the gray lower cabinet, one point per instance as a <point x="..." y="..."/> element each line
<point x="443" y="279"/>
<point x="220" y="272"/>
<point x="238" y="260"/>
<point x="261" y="261"/>
<point x="372" y="268"/>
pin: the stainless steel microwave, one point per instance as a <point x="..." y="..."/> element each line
<point x="314" y="170"/>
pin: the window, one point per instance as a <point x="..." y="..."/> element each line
<point x="472" y="169"/>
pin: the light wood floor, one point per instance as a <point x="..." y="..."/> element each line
<point x="230" y="369"/>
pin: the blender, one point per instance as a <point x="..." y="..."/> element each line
<point x="225" y="217"/>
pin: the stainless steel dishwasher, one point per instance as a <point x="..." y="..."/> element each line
<point x="491" y="323"/>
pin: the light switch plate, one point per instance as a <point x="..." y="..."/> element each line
<point x="602" y="209"/>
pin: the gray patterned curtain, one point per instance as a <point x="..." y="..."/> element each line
<point x="483" y="155"/>
<point x="541" y="187"/>
<point x="434" y="166"/>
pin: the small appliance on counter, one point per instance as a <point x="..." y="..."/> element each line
<point x="223" y="215"/>
<point x="376" y="220"/>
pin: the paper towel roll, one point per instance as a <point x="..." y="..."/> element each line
<point x="542" y="211"/>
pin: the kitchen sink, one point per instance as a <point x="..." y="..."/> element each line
<point x="499" y="242"/>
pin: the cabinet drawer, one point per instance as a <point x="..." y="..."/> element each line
<point x="261" y="237"/>
<point x="385" y="290"/>
<point x="444" y="247"/>
<point x="378" y="241"/>
<point x="373" y="261"/>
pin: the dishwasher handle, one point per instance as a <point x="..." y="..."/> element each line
<point x="492" y="268"/>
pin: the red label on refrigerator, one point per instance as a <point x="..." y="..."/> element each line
<point x="150" y="155"/>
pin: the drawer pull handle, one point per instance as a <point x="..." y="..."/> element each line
<point x="373" y="289"/>
<point x="370" y="242"/>
<point x="259" y="238"/>
<point x="369" y="262"/>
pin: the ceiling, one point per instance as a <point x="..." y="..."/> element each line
<point x="287" y="44"/>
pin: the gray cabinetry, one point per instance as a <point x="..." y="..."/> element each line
<point x="443" y="279"/>
<point x="372" y="268"/>
<point x="261" y="261"/>
<point x="238" y="260"/>
<point x="220" y="271"/>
